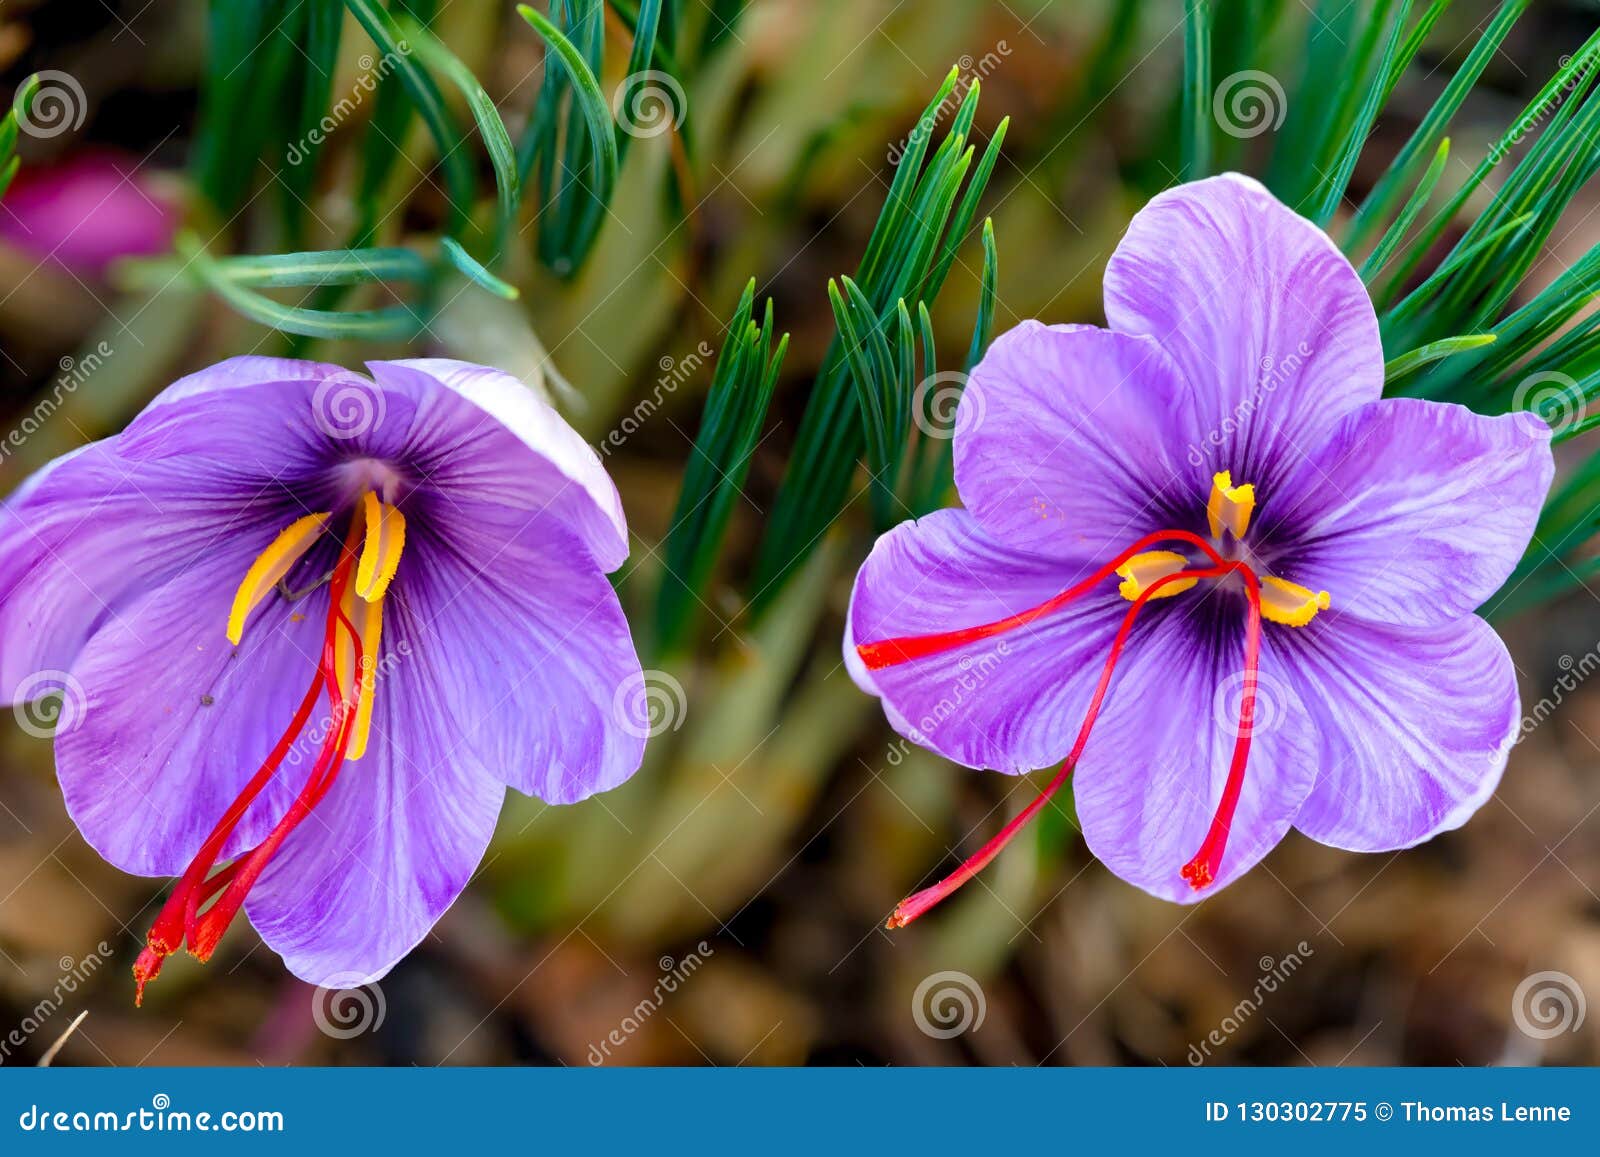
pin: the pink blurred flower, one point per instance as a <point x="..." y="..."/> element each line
<point x="85" y="212"/>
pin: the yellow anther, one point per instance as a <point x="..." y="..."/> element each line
<point x="1229" y="506"/>
<point x="1290" y="603"/>
<point x="380" y="553"/>
<point x="361" y="685"/>
<point x="270" y="566"/>
<point x="1142" y="570"/>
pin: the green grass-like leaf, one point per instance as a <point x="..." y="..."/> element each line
<point x="496" y="140"/>
<point x="429" y="103"/>
<point x="926" y="213"/>
<point x="736" y="407"/>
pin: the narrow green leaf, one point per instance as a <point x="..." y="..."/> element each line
<point x="324" y="24"/>
<point x="1355" y="138"/>
<point x="1399" y="367"/>
<point x="736" y="406"/>
<point x="1396" y="233"/>
<point x="983" y="326"/>
<point x="470" y="266"/>
<point x="1380" y="202"/>
<point x="496" y="140"/>
<point x="572" y="234"/>
<point x="1197" y="89"/>
<point x="1418" y="299"/>
<point x="429" y="102"/>
<point x="396" y="322"/>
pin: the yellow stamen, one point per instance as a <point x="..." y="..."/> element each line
<point x="380" y="554"/>
<point x="1290" y="603"/>
<point x="270" y="566"/>
<point x="1140" y="571"/>
<point x="1230" y="506"/>
<point x="367" y="618"/>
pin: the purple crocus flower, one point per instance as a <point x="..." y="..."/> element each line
<point x="312" y="624"/>
<point x="1300" y="560"/>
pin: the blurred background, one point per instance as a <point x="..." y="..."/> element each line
<point x="726" y="907"/>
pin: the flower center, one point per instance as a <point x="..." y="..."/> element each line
<point x="1228" y="514"/>
<point x="1149" y="569"/>
<point x="346" y="672"/>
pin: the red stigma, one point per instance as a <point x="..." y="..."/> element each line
<point x="181" y="920"/>
<point x="889" y="652"/>
<point x="1203" y="869"/>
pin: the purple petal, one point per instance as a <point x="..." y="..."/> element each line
<point x="528" y="651"/>
<point x="91" y="533"/>
<point x="1414" y="512"/>
<point x="1415" y="725"/>
<point x="362" y="879"/>
<point x="1154" y="770"/>
<point x="173" y="721"/>
<point x="280" y="421"/>
<point x="1264" y="315"/>
<point x="1072" y="442"/>
<point x="489" y="438"/>
<point x="1012" y="702"/>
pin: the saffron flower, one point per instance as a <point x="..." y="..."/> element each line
<point x="312" y="624"/>
<point x="1208" y="568"/>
